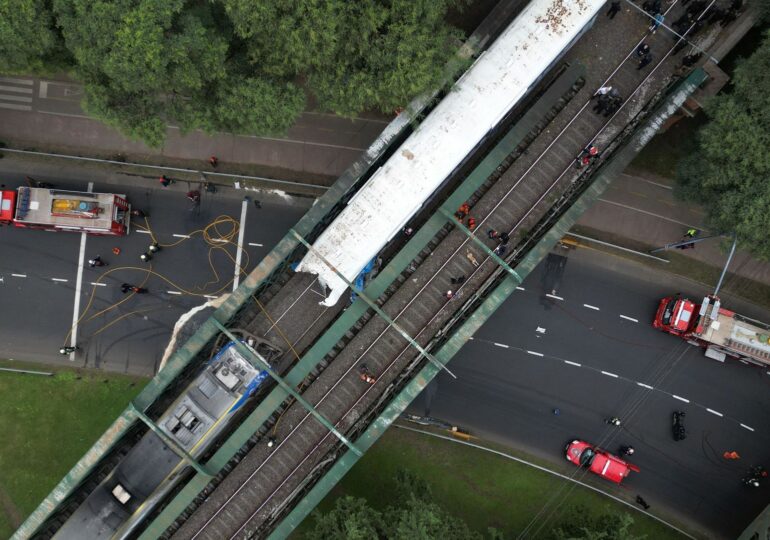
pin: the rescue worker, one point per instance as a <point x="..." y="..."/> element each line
<point x="154" y="247"/>
<point x="503" y="238"/>
<point x="125" y="287"/>
<point x="164" y="180"/>
<point x="364" y="374"/>
<point x="194" y="196"/>
<point x="214" y="161"/>
<point x="138" y="290"/>
<point x="463" y="211"/>
<point x="615" y="421"/>
<point x="751" y="482"/>
<point x="627" y="450"/>
<point x="96" y="261"/>
<point x="137" y="213"/>
<point x="492" y="234"/>
<point x="145" y="257"/>
<point x="471" y="223"/>
<point x="67" y="350"/>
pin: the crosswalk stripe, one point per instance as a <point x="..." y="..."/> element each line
<point x="15" y="98"/>
<point x="16" y="89"/>
<point x="16" y="107"/>
<point x="17" y="81"/>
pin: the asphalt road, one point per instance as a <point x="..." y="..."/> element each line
<point x="589" y="350"/>
<point x="116" y="331"/>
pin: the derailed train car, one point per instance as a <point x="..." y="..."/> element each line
<point x="151" y="469"/>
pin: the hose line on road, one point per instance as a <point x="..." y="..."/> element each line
<point x="214" y="234"/>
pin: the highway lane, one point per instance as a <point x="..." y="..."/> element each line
<point x="574" y="351"/>
<point x="39" y="269"/>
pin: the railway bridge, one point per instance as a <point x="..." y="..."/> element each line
<point x="431" y="285"/>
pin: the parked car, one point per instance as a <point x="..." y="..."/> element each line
<point x="599" y="461"/>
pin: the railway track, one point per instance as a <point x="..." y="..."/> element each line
<point x="254" y="496"/>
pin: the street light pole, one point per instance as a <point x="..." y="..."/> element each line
<point x="724" y="270"/>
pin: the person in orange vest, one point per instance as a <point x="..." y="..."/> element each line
<point x="214" y="161"/>
<point x="364" y="374"/>
<point x="463" y="211"/>
<point x="471" y="223"/>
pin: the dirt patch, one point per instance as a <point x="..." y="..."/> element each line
<point x="12" y="512"/>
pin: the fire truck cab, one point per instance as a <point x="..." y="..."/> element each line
<point x="719" y="331"/>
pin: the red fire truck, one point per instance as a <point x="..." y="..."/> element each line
<point x="55" y="209"/>
<point x="719" y="331"/>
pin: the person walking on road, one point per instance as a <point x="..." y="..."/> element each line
<point x="614" y="421"/>
<point x="614" y="9"/>
<point x="642" y="49"/>
<point x="64" y="351"/>
<point x="96" y="261"/>
<point x="642" y="502"/>
<point x="657" y="21"/>
<point x="165" y="181"/>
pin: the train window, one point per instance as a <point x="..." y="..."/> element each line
<point x="121" y="494"/>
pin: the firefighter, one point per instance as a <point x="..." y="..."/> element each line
<point x="463" y="211"/>
<point x="627" y="450"/>
<point x="615" y="421"/>
<point x="67" y="350"/>
<point x="751" y="481"/>
<point x="471" y="223"/>
<point x="164" y="180"/>
<point x="154" y="248"/>
<point x="365" y="375"/>
<point x="96" y="261"/>
<point x="145" y="257"/>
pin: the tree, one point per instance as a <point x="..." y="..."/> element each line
<point x="581" y="524"/>
<point x="350" y="519"/>
<point x="417" y="519"/>
<point x="728" y="172"/>
<point x="29" y="41"/>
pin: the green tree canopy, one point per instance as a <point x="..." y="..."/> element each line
<point x="728" y="174"/>
<point x="581" y="524"/>
<point x="28" y="40"/>
<point x="242" y="66"/>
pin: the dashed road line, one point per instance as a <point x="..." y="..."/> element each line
<point x="142" y="231"/>
<point x="19" y="275"/>
<point x="520" y="289"/>
<point x="680" y="398"/>
<point x="181" y="235"/>
<point x="95" y="284"/>
<point x="589" y="306"/>
<point x="717" y="413"/>
<point x="174" y="292"/>
<point x="535" y="353"/>
<point x="629" y="318"/>
<point x="210" y="296"/>
<point x="747" y="427"/>
<point x="255" y="244"/>
<point x="647" y="386"/>
<point x="571" y="363"/>
<point x="59" y="279"/>
<point x="503" y="345"/>
<point x="555" y="297"/>
<point x="609" y="374"/>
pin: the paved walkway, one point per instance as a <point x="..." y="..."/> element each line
<point x="46" y="114"/>
<point x="641" y="207"/>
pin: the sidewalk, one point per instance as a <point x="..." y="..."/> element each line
<point x="641" y="207"/>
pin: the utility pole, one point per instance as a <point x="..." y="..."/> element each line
<point x="729" y="259"/>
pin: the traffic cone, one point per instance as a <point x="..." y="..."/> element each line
<point x="116" y="251"/>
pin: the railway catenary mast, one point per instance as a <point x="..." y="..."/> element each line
<point x="493" y="85"/>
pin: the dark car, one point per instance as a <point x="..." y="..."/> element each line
<point x="677" y="426"/>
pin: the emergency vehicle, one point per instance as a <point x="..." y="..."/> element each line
<point x="61" y="210"/>
<point x="598" y="461"/>
<point x="719" y="331"/>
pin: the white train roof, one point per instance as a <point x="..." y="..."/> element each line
<point x="498" y="79"/>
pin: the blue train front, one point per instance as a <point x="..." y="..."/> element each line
<point x="151" y="468"/>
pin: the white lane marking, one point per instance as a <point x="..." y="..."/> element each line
<point x="95" y="284"/>
<point x="629" y="318"/>
<point x="180" y="235"/>
<point x="19" y="275"/>
<point x="520" y="289"/>
<point x="255" y="244"/>
<point x="78" y="287"/>
<point x="540" y="330"/>
<point x="609" y="374"/>
<point x="28" y="82"/>
<point x="571" y="363"/>
<point x="210" y="297"/>
<point x="680" y="398"/>
<point x="589" y="306"/>
<point x="16" y="89"/>
<point x="15" y="107"/>
<point x="142" y="231"/>
<point x="221" y="240"/>
<point x="554" y="297"/>
<point x="23" y="99"/>
<point x="503" y="345"/>
<point x="60" y="279"/>
<point x="647" y="386"/>
<point x="747" y="427"/>
<point x="239" y="247"/>
<point x="712" y="411"/>
<point x="173" y="292"/>
<point x="534" y="353"/>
